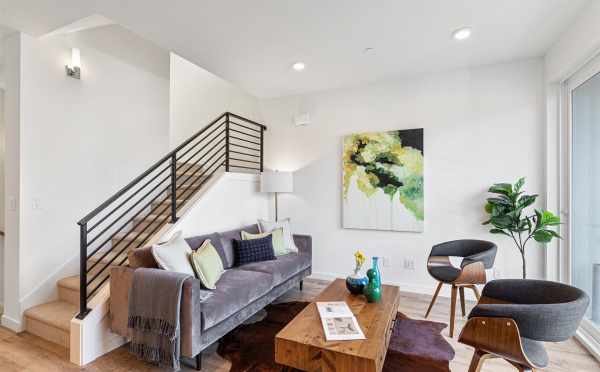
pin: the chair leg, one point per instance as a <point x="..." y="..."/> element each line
<point x="437" y="291"/>
<point x="452" y="309"/>
<point x="199" y="362"/>
<point x="301" y="284"/>
<point x="461" y="291"/>
<point x="476" y="291"/>
<point x="477" y="361"/>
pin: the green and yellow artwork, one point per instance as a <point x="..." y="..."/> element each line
<point x="383" y="181"/>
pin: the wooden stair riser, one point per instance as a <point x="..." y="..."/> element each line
<point x="47" y="332"/>
<point x="69" y="295"/>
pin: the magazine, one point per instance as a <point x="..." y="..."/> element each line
<point x="338" y="321"/>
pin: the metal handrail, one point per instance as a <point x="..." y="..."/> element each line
<point x="154" y="197"/>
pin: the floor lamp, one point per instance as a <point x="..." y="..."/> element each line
<point x="276" y="182"/>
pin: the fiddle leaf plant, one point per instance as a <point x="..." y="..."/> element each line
<point x="508" y="216"/>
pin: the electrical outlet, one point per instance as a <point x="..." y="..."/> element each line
<point x="409" y="264"/>
<point x="12" y="204"/>
<point x="387" y="262"/>
<point x="497" y="273"/>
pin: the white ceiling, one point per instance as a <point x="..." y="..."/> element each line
<point x="253" y="43"/>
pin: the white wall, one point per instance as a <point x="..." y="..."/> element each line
<point x="233" y="201"/>
<point x="576" y="45"/>
<point x="197" y="97"/>
<point x="482" y="125"/>
<point x="82" y="140"/>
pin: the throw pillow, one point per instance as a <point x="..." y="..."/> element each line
<point x="207" y="264"/>
<point x="278" y="242"/>
<point x="268" y="226"/>
<point x="173" y="255"/>
<point x="255" y="250"/>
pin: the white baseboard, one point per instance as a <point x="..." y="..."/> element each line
<point x="404" y="287"/>
<point x="12" y="324"/>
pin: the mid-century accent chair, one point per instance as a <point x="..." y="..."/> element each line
<point x="513" y="316"/>
<point x="477" y="256"/>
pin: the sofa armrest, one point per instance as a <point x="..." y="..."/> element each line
<point x="190" y="321"/>
<point x="304" y="244"/>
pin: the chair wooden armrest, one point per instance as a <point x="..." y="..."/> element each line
<point x="498" y="336"/>
<point x="473" y="273"/>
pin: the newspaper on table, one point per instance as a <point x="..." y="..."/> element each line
<point x="338" y="321"/>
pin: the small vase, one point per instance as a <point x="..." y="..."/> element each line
<point x="372" y="290"/>
<point x="356" y="283"/>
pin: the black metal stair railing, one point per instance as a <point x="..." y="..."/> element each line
<point x="130" y="218"/>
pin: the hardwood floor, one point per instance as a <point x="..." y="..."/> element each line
<point x="25" y="352"/>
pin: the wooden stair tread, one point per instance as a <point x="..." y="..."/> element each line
<point x="56" y="313"/>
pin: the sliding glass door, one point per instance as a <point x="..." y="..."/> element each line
<point x="585" y="191"/>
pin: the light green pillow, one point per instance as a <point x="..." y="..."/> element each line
<point x="207" y="264"/>
<point x="278" y="242"/>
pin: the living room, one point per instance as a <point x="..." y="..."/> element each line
<point x="429" y="164"/>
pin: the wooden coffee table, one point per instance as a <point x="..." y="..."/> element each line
<point x="302" y="345"/>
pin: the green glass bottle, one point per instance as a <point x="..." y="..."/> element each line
<point x="372" y="290"/>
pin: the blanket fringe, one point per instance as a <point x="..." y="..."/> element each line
<point x="152" y="325"/>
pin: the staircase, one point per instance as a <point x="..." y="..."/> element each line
<point x="139" y="214"/>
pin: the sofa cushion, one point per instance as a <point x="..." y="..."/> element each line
<point x="226" y="240"/>
<point x="142" y="257"/>
<point x="254" y="250"/>
<point x="235" y="290"/>
<point x="282" y="268"/>
<point x="196" y="242"/>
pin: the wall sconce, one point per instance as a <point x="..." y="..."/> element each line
<point x="74" y="68"/>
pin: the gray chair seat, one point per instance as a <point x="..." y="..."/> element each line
<point x="535" y="352"/>
<point x="446" y="274"/>
<point x="235" y="289"/>
<point x="283" y="268"/>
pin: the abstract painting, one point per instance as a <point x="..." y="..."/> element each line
<point x="383" y="181"/>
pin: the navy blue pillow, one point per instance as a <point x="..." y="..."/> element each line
<point x="254" y="250"/>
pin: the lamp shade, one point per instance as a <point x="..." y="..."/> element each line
<point x="276" y="182"/>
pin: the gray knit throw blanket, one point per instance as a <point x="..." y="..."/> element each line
<point x="154" y="305"/>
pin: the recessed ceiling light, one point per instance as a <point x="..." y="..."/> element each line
<point x="298" y="66"/>
<point x="462" y="33"/>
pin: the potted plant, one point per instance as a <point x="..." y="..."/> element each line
<point x="508" y="215"/>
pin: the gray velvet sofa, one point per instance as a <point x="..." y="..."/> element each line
<point x="241" y="291"/>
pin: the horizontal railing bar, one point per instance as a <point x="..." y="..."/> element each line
<point x="125" y="201"/>
<point x="136" y="236"/>
<point x="209" y="159"/>
<point x="139" y="233"/>
<point x="180" y="156"/>
<point x="244" y="133"/>
<point x="247" y="161"/>
<point x="264" y="127"/>
<point x="124" y="214"/>
<point x="244" y="147"/>
<point x="241" y="166"/>
<point x="195" y="189"/>
<point x="90" y="242"/>
<point x="93" y="291"/>
<point x="243" y="126"/>
<point x="136" y="180"/>
<point x="156" y="216"/>
<point x="204" y="148"/>
<point x="243" y="153"/>
<point x="244" y="140"/>
<point x="125" y="224"/>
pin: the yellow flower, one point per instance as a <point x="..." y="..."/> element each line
<point x="360" y="259"/>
